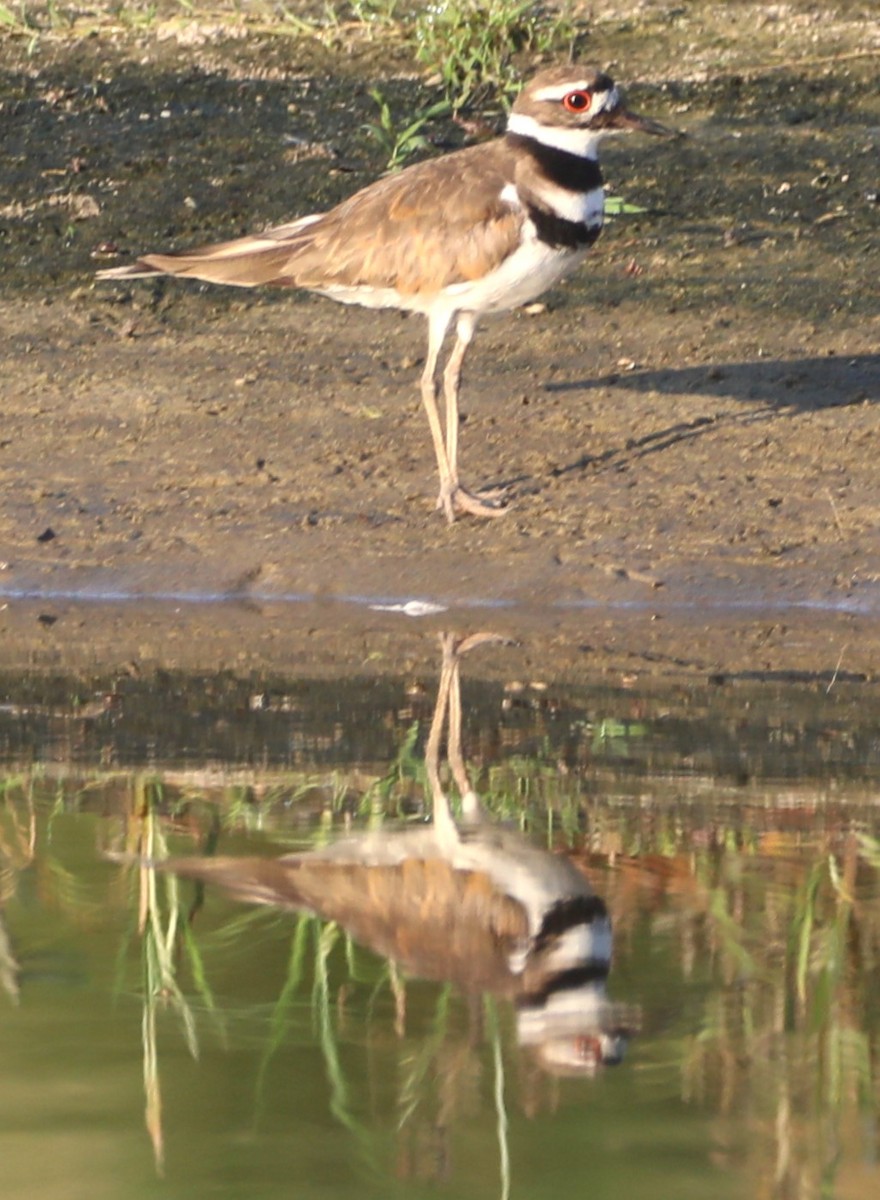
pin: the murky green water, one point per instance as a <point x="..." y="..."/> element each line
<point x="161" y="1039"/>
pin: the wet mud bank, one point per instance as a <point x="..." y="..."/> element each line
<point x="688" y="427"/>
<point x="633" y="646"/>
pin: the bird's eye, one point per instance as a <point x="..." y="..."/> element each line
<point x="577" y="102"/>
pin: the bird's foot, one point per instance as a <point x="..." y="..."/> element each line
<point x="488" y="502"/>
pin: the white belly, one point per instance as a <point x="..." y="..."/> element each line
<point x="523" y="276"/>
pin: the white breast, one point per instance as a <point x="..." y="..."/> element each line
<point x="523" y="276"/>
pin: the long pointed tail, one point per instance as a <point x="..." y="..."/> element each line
<point x="253" y="880"/>
<point x="244" y="262"/>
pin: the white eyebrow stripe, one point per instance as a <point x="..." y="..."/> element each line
<point x="558" y="91"/>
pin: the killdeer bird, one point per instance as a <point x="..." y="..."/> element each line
<point x="482" y="230"/>
<point x="467" y="903"/>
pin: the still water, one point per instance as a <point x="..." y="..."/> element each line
<point x="164" y="1038"/>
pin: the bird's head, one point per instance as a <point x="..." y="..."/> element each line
<point x="573" y="107"/>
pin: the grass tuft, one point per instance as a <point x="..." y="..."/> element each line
<point x="472" y="45"/>
<point x="399" y="142"/>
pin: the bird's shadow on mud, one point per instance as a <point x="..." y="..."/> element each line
<point x="771" y="388"/>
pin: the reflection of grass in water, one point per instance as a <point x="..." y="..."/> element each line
<point x="423" y="1065"/>
<point x="18" y="832"/>
<point x="406" y="768"/>
<point x="824" y="929"/>
<point x="165" y="938"/>
<point x="282" y="1010"/>
<point x="10" y="968"/>
<point x="24" y="854"/>
<point x="731" y="935"/>
<point x="502" y="1124"/>
<point x="775" y="937"/>
<point x="772" y="925"/>
<point x="324" y="937"/>
<point x="786" y="1031"/>
<point x="816" y="950"/>
<point x="315" y="947"/>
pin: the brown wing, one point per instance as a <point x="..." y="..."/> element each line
<point x="436" y="922"/>
<point x="437" y="223"/>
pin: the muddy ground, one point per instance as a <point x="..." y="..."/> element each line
<point x="688" y="428"/>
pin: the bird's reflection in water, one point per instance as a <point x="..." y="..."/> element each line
<point x="464" y="901"/>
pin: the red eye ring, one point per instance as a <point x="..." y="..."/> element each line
<point x="577" y="102"/>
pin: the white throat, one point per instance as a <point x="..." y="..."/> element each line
<point x="582" y="142"/>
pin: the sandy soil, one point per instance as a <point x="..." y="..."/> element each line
<point x="688" y="428"/>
